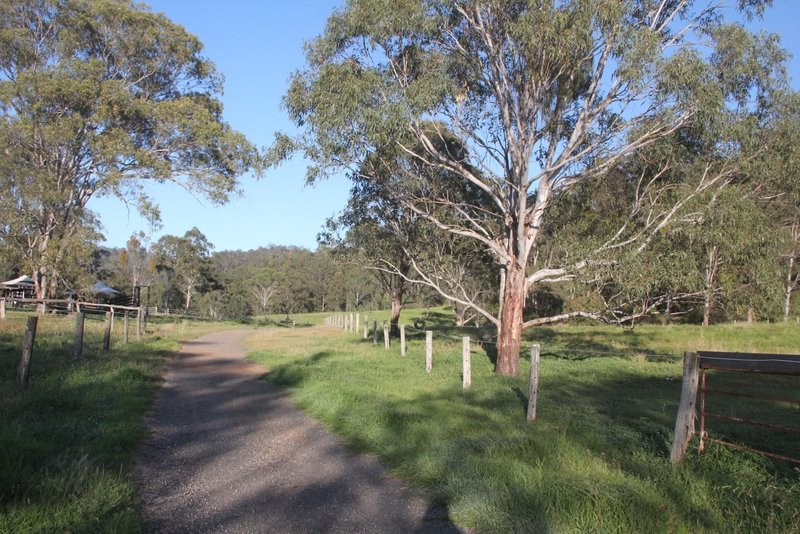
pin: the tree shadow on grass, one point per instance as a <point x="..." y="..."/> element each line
<point x="601" y="432"/>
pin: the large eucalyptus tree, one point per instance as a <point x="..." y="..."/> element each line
<point x="544" y="95"/>
<point x="96" y="98"/>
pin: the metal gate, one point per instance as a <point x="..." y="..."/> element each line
<point x="737" y="362"/>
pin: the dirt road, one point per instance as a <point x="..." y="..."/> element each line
<point x="228" y="452"/>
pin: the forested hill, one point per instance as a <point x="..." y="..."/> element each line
<point x="273" y="279"/>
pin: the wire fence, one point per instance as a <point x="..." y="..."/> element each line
<point x="760" y="363"/>
<point x="552" y="349"/>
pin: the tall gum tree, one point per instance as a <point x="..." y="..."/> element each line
<point x="96" y="98"/>
<point x="544" y="95"/>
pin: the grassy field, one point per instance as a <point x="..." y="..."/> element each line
<point x="596" y="459"/>
<point x="66" y="442"/>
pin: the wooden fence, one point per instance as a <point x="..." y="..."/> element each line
<point x="695" y="379"/>
<point x="77" y="309"/>
<point x="351" y="322"/>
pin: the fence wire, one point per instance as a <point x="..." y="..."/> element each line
<point x="551" y="349"/>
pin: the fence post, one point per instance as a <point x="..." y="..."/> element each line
<point x="375" y="332"/>
<point x="403" y="351"/>
<point x="366" y="328"/>
<point x="428" y="350"/>
<point x="138" y="324"/>
<point x="27" y="353"/>
<point x="533" y="386"/>
<point x="2" y="308"/>
<point x="112" y="319"/>
<point x="107" y="333"/>
<point x="358" y="323"/>
<point x="352" y="324"/>
<point x="385" y="335"/>
<point x="77" y="349"/>
<point x="465" y="353"/>
<point x="684" y="422"/>
<point x="125" y="331"/>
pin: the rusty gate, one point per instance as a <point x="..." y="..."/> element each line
<point x="737" y="362"/>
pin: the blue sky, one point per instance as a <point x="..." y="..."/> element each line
<point x="256" y="45"/>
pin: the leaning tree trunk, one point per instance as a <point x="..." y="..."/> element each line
<point x="397" y="292"/>
<point x="397" y="307"/>
<point x="509" y="330"/>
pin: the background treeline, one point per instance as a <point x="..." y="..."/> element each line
<point x="184" y="275"/>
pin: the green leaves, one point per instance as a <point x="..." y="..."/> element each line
<point x="97" y="95"/>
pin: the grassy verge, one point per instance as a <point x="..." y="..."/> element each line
<point x="66" y="442"/>
<point x="596" y="459"/>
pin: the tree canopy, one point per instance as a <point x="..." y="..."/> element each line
<point x="96" y="98"/>
<point x="545" y="96"/>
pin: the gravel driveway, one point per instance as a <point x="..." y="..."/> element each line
<point x="228" y="452"/>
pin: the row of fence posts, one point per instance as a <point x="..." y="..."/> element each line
<point x="77" y="349"/>
<point x="352" y="323"/>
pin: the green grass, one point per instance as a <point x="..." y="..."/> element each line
<point x="66" y="443"/>
<point x="596" y="458"/>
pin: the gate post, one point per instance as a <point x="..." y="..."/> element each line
<point x="684" y="422"/>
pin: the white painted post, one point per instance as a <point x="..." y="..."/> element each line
<point x="403" y="351"/>
<point x="465" y="353"/>
<point x="77" y="349"/>
<point x="2" y="308"/>
<point x="385" y="335"/>
<point x="533" y="386"/>
<point x="428" y="351"/>
<point x="358" y="323"/>
<point x="27" y="353"/>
